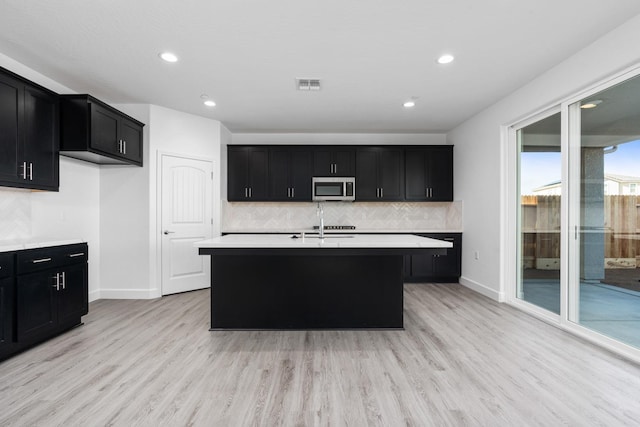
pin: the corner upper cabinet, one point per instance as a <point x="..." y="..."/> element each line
<point x="247" y="173"/>
<point x="29" y="134"/>
<point x="95" y="132"/>
<point x="379" y="174"/>
<point x="429" y="173"/>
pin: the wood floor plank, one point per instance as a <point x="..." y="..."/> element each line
<point x="462" y="360"/>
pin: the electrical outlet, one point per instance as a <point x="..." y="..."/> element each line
<point x="476" y="254"/>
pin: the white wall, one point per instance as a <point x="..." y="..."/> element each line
<point x="124" y="219"/>
<point x="478" y="153"/>
<point x="340" y="138"/>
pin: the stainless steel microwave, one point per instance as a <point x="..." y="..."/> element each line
<point x="330" y="189"/>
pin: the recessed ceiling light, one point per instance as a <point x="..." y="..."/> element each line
<point x="445" y="59"/>
<point x="591" y="104"/>
<point x="209" y="103"/>
<point x="168" y="57"/>
<point x="409" y="104"/>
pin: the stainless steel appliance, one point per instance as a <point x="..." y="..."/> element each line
<point x="332" y="189"/>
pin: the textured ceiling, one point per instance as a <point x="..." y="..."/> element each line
<point x="371" y="55"/>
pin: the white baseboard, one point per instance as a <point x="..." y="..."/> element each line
<point x="482" y="289"/>
<point x="125" y="294"/>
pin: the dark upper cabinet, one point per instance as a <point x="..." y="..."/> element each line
<point x="429" y="173"/>
<point x="334" y="161"/>
<point x="247" y="176"/>
<point x="290" y="174"/>
<point x="379" y="174"/>
<point x="95" y="132"/>
<point x="29" y="134"/>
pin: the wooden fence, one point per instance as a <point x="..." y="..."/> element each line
<point x="541" y="227"/>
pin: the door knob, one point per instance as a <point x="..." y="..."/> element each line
<point x="168" y="232"/>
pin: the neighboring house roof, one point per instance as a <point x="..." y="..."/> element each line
<point x="607" y="176"/>
<point x="621" y="178"/>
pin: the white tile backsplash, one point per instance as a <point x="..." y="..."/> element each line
<point x="401" y="216"/>
<point x="15" y="214"/>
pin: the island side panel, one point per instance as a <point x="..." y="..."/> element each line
<point x="306" y="291"/>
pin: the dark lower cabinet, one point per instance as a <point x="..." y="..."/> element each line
<point x="7" y="284"/>
<point x="47" y="295"/>
<point x="436" y="268"/>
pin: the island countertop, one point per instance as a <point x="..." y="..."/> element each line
<point x="312" y="240"/>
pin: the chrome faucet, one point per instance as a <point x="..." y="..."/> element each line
<point x="320" y="213"/>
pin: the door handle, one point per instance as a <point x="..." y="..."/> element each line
<point x="168" y="232"/>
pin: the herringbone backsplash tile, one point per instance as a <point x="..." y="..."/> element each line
<point x="15" y="214"/>
<point x="366" y="216"/>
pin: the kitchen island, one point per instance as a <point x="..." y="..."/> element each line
<point x="303" y="281"/>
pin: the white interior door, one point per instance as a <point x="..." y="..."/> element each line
<point x="186" y="187"/>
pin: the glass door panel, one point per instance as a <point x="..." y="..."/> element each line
<point x="540" y="197"/>
<point x="605" y="288"/>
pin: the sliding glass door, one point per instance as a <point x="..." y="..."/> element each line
<point x="575" y="209"/>
<point x="539" y="201"/>
<point x="604" y="285"/>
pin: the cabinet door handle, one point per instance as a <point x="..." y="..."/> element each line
<point x="24" y="170"/>
<point x="63" y="280"/>
<point x="381" y="192"/>
<point x="30" y="171"/>
<point x="246" y="192"/>
<point x="38" y="261"/>
<point x="76" y="255"/>
<point x="56" y="279"/>
<point x="449" y="239"/>
<point x="124" y="145"/>
<point x="293" y="192"/>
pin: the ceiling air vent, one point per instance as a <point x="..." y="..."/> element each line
<point x="308" y="84"/>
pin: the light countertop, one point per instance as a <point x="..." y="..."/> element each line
<point x="33" y="243"/>
<point x="356" y="231"/>
<point x="312" y="240"/>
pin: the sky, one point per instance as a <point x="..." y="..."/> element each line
<point x="539" y="169"/>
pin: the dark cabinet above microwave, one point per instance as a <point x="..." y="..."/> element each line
<point x="96" y="132"/>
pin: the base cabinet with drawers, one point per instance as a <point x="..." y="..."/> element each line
<point x="47" y="295"/>
<point x="6" y="302"/>
<point x="436" y="268"/>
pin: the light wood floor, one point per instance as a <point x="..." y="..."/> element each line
<point x="462" y="360"/>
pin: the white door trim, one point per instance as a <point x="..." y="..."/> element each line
<point x="158" y="206"/>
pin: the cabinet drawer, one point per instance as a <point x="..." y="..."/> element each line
<point x="32" y="260"/>
<point x="6" y="264"/>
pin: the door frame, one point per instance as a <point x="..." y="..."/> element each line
<point x="215" y="208"/>
<point x="570" y="145"/>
